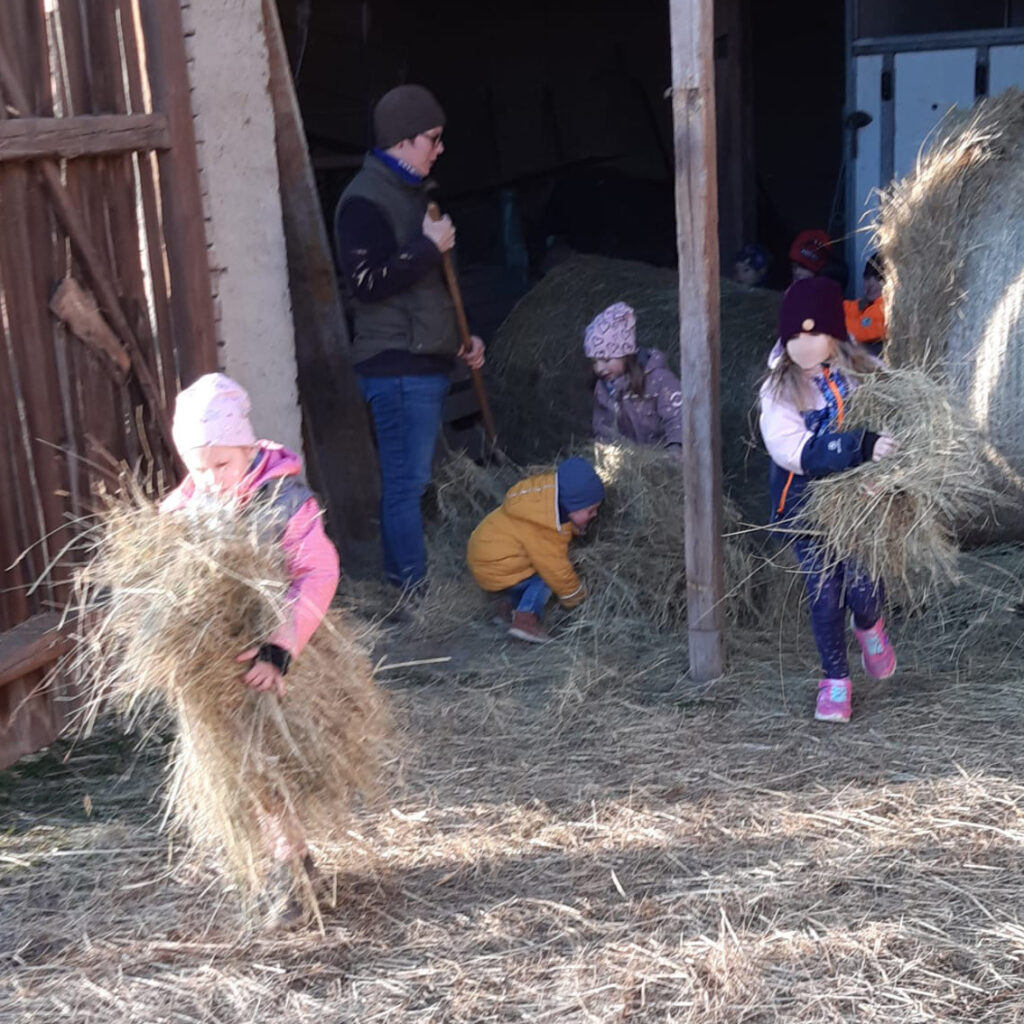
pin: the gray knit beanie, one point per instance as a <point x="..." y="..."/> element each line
<point x="405" y="112"/>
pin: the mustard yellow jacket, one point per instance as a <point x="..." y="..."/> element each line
<point x="524" y="537"/>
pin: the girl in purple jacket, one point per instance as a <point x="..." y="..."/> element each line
<point x="811" y="375"/>
<point x="637" y="398"/>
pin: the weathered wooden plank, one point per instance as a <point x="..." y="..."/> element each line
<point x="333" y="409"/>
<point x="31" y="138"/>
<point x="31" y="645"/>
<point x="96" y="397"/>
<point x="33" y="713"/>
<point x="184" y="227"/>
<point x="34" y="376"/>
<point x="151" y="220"/>
<point x="693" y="110"/>
<point x="116" y="184"/>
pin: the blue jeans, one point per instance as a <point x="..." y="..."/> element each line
<point x="407" y="417"/>
<point x="530" y="595"/>
<point x="832" y="588"/>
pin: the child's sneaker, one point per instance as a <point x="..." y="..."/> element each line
<point x="526" y="626"/>
<point x="833" y="700"/>
<point x="876" y="652"/>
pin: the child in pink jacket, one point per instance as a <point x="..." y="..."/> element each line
<point x="224" y="459"/>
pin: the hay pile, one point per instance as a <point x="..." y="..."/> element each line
<point x="897" y="517"/>
<point x="632" y="559"/>
<point x="952" y="235"/>
<point x="170" y="601"/>
<point x="543" y="387"/>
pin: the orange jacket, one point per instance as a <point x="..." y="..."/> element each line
<point x="865" y="325"/>
<point x="524" y="537"/>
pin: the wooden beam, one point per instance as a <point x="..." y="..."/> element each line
<point x="693" y="112"/>
<point x="32" y="138"/>
<point x="35" y="643"/>
<point x="337" y="429"/>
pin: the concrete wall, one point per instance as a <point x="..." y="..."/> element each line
<point x="235" y="134"/>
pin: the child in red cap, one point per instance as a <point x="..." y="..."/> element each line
<point x="809" y="253"/>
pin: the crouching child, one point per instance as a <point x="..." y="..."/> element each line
<point x="521" y="550"/>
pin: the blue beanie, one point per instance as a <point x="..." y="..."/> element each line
<point x="579" y="486"/>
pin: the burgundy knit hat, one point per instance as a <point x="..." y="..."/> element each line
<point x="405" y="112"/>
<point x="812" y="306"/>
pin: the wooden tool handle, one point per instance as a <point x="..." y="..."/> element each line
<point x="451" y="279"/>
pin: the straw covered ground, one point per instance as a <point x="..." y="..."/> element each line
<point x="576" y="834"/>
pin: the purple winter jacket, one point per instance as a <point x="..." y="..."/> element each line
<point x="654" y="418"/>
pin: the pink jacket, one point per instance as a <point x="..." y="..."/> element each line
<point x="311" y="558"/>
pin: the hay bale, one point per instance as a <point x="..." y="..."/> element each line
<point x="542" y="382"/>
<point x="952" y="235"/>
<point x="897" y="517"/>
<point x="170" y="601"/>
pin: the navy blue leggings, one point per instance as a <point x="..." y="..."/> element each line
<point x="832" y="588"/>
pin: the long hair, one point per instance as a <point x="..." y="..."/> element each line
<point x="788" y="382"/>
<point x="634" y="374"/>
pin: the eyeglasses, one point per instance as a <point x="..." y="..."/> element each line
<point x="434" y="140"/>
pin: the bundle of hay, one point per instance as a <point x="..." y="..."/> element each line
<point x="952" y="235"/>
<point x="896" y="517"/>
<point x="170" y="601"/>
<point x="543" y="383"/>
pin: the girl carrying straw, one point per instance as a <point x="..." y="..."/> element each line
<point x="226" y="462"/>
<point x="637" y="397"/>
<point x="802" y="411"/>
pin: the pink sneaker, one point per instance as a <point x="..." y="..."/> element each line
<point x="833" y="700"/>
<point x="876" y="652"/>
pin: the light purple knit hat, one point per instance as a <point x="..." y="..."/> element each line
<point x="212" y="410"/>
<point x="611" y="334"/>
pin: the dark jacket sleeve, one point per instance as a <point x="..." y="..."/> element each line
<point x="373" y="267"/>
<point x="833" y="451"/>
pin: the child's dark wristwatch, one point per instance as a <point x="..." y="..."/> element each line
<point x="276" y="656"/>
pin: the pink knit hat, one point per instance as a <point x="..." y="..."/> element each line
<point x="611" y="334"/>
<point x="212" y="410"/>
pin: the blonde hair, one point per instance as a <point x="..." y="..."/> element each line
<point x="788" y="382"/>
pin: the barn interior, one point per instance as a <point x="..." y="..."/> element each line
<point x="559" y="133"/>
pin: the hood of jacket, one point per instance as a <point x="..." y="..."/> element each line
<point x="535" y="500"/>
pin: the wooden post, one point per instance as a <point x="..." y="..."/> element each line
<point x="340" y="454"/>
<point x="693" y="111"/>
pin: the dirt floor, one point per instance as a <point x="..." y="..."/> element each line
<point x="577" y="833"/>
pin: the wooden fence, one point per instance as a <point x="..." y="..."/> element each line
<point x="105" y="302"/>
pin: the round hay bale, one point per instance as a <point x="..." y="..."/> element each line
<point x="952" y="236"/>
<point x="542" y="382"/>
